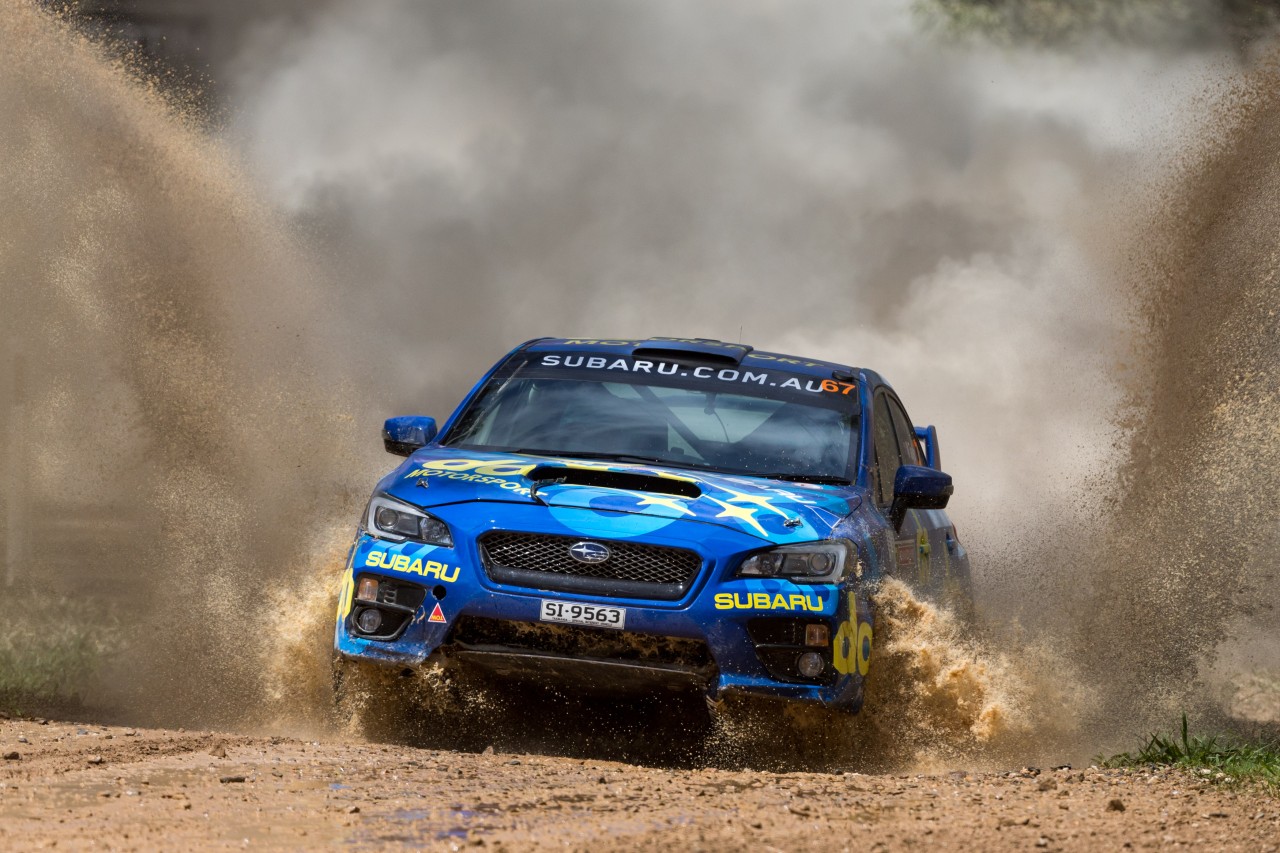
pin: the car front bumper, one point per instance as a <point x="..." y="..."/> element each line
<point x="722" y="635"/>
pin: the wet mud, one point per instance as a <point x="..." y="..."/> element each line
<point x="82" y="785"/>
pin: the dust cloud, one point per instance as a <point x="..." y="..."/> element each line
<point x="811" y="177"/>
<point x="198" y="358"/>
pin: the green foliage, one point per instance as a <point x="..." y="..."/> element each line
<point x="49" y="648"/>
<point x="1065" y="22"/>
<point x="1218" y="758"/>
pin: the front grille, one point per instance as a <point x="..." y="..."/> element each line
<point x="627" y="561"/>
<point x="632" y="569"/>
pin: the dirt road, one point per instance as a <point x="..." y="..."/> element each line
<point x="84" y="786"/>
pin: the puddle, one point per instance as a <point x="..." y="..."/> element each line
<point x="459" y="819"/>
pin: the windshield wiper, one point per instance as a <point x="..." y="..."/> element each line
<point x="626" y="458"/>
<point x="538" y="484"/>
<point x="630" y="458"/>
<point x="820" y="479"/>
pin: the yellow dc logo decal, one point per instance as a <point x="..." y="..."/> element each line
<point x="346" y="594"/>
<point x="851" y="648"/>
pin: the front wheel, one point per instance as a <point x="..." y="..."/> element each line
<point x="427" y="707"/>
<point x="766" y="733"/>
<point x="374" y="702"/>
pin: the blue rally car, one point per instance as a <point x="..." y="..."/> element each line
<point x="624" y="515"/>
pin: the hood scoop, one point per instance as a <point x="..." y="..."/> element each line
<point x="563" y="475"/>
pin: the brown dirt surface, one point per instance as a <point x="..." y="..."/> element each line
<point x="81" y="786"/>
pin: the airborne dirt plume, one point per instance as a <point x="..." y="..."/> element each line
<point x="194" y="387"/>
<point x="1189" y="562"/>
<point x="171" y="444"/>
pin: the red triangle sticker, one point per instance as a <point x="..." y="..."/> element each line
<point x="437" y="615"/>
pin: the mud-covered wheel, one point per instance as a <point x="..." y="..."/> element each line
<point x="374" y="702"/>
<point x="771" y="734"/>
<point x="428" y="707"/>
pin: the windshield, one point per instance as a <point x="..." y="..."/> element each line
<point x="749" y="420"/>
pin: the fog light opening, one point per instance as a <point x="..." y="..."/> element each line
<point x="816" y="635"/>
<point x="810" y="664"/>
<point x="368" y="589"/>
<point x="438" y="592"/>
<point x="369" y="620"/>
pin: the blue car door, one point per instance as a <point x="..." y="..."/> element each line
<point x="941" y="564"/>
<point x="921" y="547"/>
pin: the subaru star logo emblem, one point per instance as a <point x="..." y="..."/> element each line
<point x="589" y="552"/>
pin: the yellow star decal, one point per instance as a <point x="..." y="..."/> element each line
<point x="739" y="512"/>
<point x="669" y="503"/>
<point x="797" y="498"/>
<point x="757" y="500"/>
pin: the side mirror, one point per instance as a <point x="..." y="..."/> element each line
<point x="917" y="487"/>
<point x="404" y="435"/>
<point x="929" y="437"/>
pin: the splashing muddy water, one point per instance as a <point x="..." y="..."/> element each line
<point x="175" y="420"/>
<point x="185" y="444"/>
<point x="939" y="696"/>
<point x="942" y="697"/>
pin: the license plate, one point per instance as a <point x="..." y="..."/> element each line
<point x="583" y="614"/>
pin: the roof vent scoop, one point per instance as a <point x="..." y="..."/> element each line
<point x="692" y="349"/>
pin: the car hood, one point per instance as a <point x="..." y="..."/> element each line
<point x="774" y="510"/>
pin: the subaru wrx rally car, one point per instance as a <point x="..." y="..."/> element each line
<point x="642" y="515"/>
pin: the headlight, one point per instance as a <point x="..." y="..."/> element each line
<point x="389" y="518"/>
<point x="810" y="562"/>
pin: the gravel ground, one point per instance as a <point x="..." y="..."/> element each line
<point x="84" y="786"/>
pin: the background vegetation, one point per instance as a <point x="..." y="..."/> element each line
<point x="49" y="649"/>
<point x="1218" y="758"/>
<point x="1057" y="23"/>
